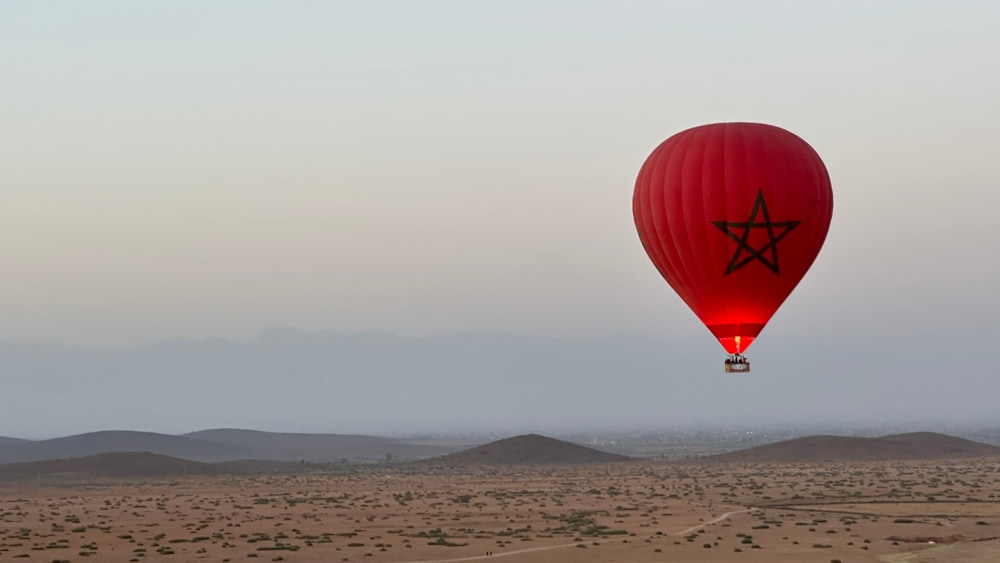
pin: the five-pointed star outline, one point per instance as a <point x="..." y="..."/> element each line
<point x="732" y="228"/>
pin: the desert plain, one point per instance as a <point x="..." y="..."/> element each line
<point x="679" y="511"/>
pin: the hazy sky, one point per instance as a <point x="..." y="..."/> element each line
<point x="210" y="169"/>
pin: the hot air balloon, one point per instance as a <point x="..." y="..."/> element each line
<point x="732" y="216"/>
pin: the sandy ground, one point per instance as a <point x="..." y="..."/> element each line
<point x="875" y="512"/>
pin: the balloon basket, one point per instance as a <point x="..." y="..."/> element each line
<point x="737" y="363"/>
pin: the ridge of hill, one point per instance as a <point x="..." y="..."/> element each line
<point x="107" y="441"/>
<point x="938" y="444"/>
<point x="115" y="464"/>
<point x="909" y="446"/>
<point x="530" y="449"/>
<point x="290" y="446"/>
<point x="253" y="437"/>
<point x="6" y="441"/>
<point x="227" y="444"/>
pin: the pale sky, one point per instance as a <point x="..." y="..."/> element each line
<point x="211" y="169"/>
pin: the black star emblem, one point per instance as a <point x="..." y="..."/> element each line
<point x="740" y="232"/>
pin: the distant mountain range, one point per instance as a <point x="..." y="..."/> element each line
<point x="910" y="446"/>
<point x="520" y="450"/>
<point x="379" y="383"/>
<point x="135" y="456"/>
<point x="226" y="445"/>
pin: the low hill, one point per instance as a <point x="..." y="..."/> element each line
<point x="94" y="443"/>
<point x="912" y="446"/>
<point x="942" y="445"/>
<point x="6" y="441"/>
<point x="530" y="449"/>
<point x="119" y="464"/>
<point x="227" y="445"/>
<point x="287" y="446"/>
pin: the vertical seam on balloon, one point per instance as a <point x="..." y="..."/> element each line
<point x="655" y="171"/>
<point x="731" y="139"/>
<point x="726" y="132"/>
<point x="695" y="222"/>
<point x="740" y="310"/>
<point x="678" y="264"/>
<point x="777" y="166"/>
<point x="655" y="245"/>
<point x="657" y="189"/>
<point x="711" y="212"/>
<point x="711" y="271"/>
<point x="649" y="228"/>
<point x="704" y="266"/>
<point x="684" y="251"/>
<point x="785" y="171"/>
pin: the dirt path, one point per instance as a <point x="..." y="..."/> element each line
<point x="574" y="544"/>
<point x="712" y="521"/>
<point x="495" y="555"/>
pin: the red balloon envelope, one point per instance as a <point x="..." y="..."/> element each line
<point x="732" y="215"/>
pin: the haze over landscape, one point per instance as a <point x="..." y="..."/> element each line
<point x="360" y="281"/>
<point x="390" y="217"/>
